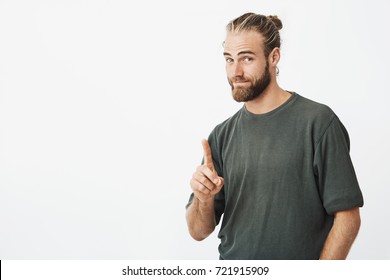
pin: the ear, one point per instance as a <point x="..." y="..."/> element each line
<point x="274" y="57"/>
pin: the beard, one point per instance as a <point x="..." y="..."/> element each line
<point x="257" y="87"/>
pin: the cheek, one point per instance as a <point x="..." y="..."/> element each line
<point x="255" y="72"/>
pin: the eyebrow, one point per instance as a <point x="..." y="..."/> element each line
<point x="240" y="53"/>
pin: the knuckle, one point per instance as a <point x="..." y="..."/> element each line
<point x="204" y="190"/>
<point x="203" y="180"/>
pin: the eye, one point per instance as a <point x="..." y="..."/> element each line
<point x="228" y="60"/>
<point x="248" y="59"/>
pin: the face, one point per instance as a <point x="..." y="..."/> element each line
<point x="246" y="66"/>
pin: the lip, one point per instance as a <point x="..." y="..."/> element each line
<point x="240" y="83"/>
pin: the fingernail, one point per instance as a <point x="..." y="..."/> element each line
<point x="217" y="181"/>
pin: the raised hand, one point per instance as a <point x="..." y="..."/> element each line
<point x="205" y="182"/>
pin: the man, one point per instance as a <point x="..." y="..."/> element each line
<point x="278" y="170"/>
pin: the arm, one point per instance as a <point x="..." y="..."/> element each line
<point x="200" y="218"/>
<point x="343" y="233"/>
<point x="205" y="184"/>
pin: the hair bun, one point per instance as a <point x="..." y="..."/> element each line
<point x="276" y="21"/>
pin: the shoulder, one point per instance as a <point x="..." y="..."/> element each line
<point x="313" y="114"/>
<point x="227" y="125"/>
<point x="313" y="110"/>
<point x="320" y="119"/>
<point x="222" y="132"/>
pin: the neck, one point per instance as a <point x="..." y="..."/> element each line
<point x="272" y="97"/>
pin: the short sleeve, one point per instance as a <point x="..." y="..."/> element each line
<point x="337" y="182"/>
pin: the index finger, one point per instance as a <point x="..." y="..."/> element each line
<point x="207" y="157"/>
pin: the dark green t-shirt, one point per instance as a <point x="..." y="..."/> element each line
<point x="286" y="173"/>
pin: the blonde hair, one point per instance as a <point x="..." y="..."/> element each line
<point x="267" y="26"/>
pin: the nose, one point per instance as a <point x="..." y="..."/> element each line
<point x="238" y="70"/>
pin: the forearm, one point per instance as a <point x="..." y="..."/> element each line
<point x="342" y="235"/>
<point x="201" y="218"/>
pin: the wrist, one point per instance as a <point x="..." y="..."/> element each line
<point x="204" y="203"/>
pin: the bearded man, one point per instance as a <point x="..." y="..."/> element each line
<point x="278" y="172"/>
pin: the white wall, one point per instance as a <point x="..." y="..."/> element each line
<point x="103" y="105"/>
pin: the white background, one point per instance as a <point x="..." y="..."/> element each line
<point x="103" y="105"/>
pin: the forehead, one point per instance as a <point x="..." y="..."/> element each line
<point x="236" y="42"/>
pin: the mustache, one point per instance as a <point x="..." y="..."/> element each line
<point x="237" y="79"/>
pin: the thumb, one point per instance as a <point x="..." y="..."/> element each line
<point x="221" y="182"/>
